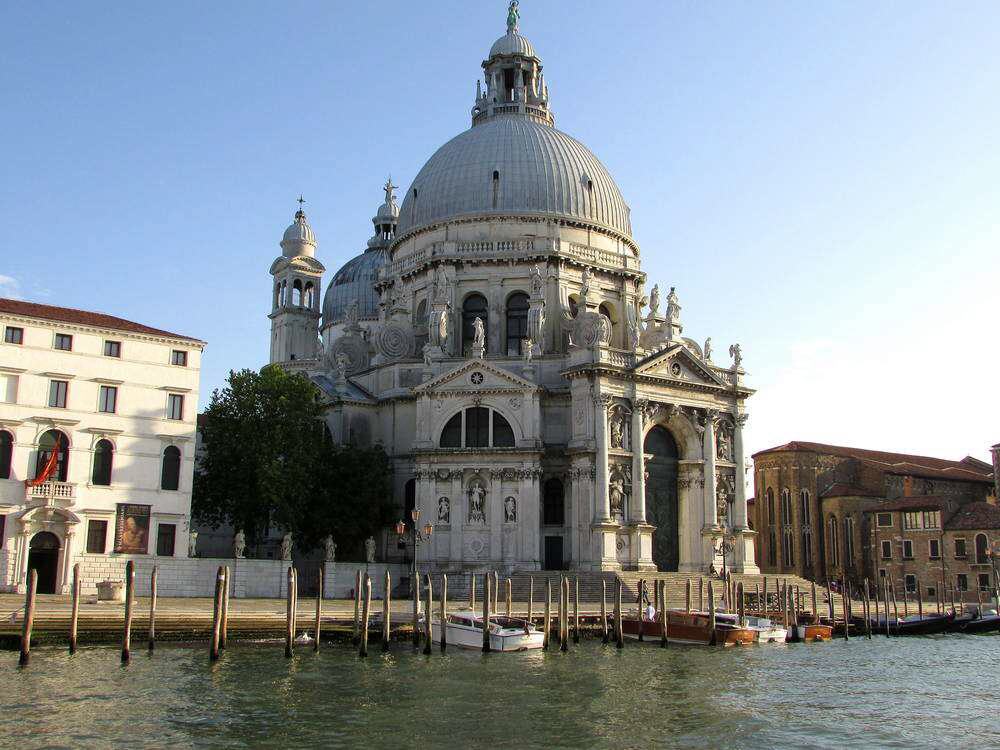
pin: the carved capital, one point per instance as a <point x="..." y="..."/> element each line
<point x="603" y="401"/>
<point x="741" y="419"/>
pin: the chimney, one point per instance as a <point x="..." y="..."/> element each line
<point x="995" y="450"/>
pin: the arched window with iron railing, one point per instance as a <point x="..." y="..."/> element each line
<point x="47" y="444"/>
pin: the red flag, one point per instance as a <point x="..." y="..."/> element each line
<point x="48" y="470"/>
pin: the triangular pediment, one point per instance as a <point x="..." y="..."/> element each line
<point x="299" y="263"/>
<point x="676" y="362"/>
<point x="476" y="375"/>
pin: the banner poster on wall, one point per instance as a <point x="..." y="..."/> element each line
<point x="132" y="529"/>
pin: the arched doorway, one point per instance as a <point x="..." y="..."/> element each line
<point x="661" y="496"/>
<point x="43" y="557"/>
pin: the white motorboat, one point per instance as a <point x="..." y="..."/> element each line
<point x="465" y="629"/>
<point x="766" y="631"/>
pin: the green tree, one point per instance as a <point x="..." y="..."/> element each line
<point x="267" y="461"/>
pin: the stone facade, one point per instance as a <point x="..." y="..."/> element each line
<point x="814" y="503"/>
<point x="539" y="408"/>
<point x="120" y="398"/>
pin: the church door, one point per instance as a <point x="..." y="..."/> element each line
<point x="43" y="558"/>
<point x="661" y="497"/>
<point x="553" y="553"/>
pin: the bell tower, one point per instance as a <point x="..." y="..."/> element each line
<point x="295" y="293"/>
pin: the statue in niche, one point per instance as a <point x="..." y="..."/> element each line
<point x="537" y="285"/>
<point x="724" y="445"/>
<point x="239" y="545"/>
<point x="708" y="349"/>
<point x="370" y="549"/>
<point x="286" y="547"/>
<point x="723" y="497"/>
<point x="444" y="510"/>
<point x="329" y="549"/>
<point x="618" y="498"/>
<point x="618" y="430"/>
<point x="654" y="300"/>
<point x="479" y="331"/>
<point x="477" y="504"/>
<point x="510" y="510"/>
<point x="428" y="358"/>
<point x="193" y="544"/>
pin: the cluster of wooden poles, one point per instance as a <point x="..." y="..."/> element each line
<point x="790" y="601"/>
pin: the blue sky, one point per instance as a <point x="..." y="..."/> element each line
<point x="818" y="180"/>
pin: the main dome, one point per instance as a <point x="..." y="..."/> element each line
<point x="512" y="165"/>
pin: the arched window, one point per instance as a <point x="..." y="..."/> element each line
<point x="982" y="546"/>
<point x="409" y="501"/>
<point x="848" y="542"/>
<point x="574" y="306"/>
<point x="277" y="294"/>
<point x="787" y="537"/>
<point x="170" y="475"/>
<point x="477" y="427"/>
<point x="104" y="453"/>
<point x="474" y="307"/>
<point x="805" y="519"/>
<point x="554" y="506"/>
<point x="517" y="322"/>
<point x="310" y="295"/>
<point x="772" y="532"/>
<point x="283" y="297"/>
<point x="420" y="318"/>
<point x="297" y="293"/>
<point x="833" y="547"/>
<point x="496" y="188"/>
<point x="770" y="506"/>
<point x="46" y="445"/>
<point x="6" y="453"/>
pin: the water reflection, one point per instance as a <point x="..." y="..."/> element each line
<point x="900" y="693"/>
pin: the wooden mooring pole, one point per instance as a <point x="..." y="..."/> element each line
<point x="920" y="600"/>
<point x="365" y="616"/>
<point x="546" y="618"/>
<point x="604" y="611"/>
<point x="639" y="622"/>
<point x="619" y="632"/>
<point x="885" y="600"/>
<point x="74" y="617"/>
<point x="213" y="650"/>
<point x="565" y="613"/>
<point x="224" y="622"/>
<point x="687" y="595"/>
<point x="486" y="613"/>
<point x="289" y="613"/>
<point x="129" y="605"/>
<point x="428" y="611"/>
<point x="663" y="613"/>
<point x="509" y="595"/>
<point x="152" y="608"/>
<point x="472" y="591"/>
<point x="701" y="594"/>
<point x="386" y="611"/>
<point x="29" y="618"/>
<point x="576" y="610"/>
<point x="711" y="611"/>
<point x="356" y="634"/>
<point x="416" y="611"/>
<point x="531" y="599"/>
<point x="443" y="619"/>
<point x="318" y="624"/>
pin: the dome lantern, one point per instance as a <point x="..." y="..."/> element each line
<point x="386" y="218"/>
<point x="299" y="238"/>
<point x="514" y="82"/>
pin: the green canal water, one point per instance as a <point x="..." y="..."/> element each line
<point x="917" y="692"/>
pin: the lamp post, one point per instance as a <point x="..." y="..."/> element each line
<point x="725" y="548"/>
<point x="417" y="537"/>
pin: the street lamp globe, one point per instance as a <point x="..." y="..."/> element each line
<point x="400" y="528"/>
<point x="428" y="529"/>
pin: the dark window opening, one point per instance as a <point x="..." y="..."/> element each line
<point x="6" y="454"/>
<point x="166" y="537"/>
<point x="503" y="433"/>
<point x="103" y="458"/>
<point x="170" y="474"/>
<point x="517" y="322"/>
<point x="451" y="436"/>
<point x="554" y="507"/>
<point x="97" y="537"/>
<point x="477" y="427"/>
<point x="475" y="306"/>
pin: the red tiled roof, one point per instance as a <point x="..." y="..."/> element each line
<point x="83" y="317"/>
<point x="894" y="463"/>
<point x="848" y="490"/>
<point x="975" y="516"/>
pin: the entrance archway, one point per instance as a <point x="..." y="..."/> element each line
<point x="661" y="496"/>
<point x="43" y="557"/>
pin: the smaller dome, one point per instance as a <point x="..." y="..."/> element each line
<point x="512" y="43"/>
<point x="299" y="230"/>
<point x="388" y="211"/>
<point x="355" y="281"/>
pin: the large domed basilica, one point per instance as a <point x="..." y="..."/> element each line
<point x="496" y="337"/>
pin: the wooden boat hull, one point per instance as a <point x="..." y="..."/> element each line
<point x="814" y="632"/>
<point x="929" y="625"/>
<point x="988" y="624"/>
<point x="502" y="639"/>
<point x="690" y="628"/>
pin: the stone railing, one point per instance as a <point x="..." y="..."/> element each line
<point x="52" y="490"/>
<point x="621" y="358"/>
<point x="599" y="256"/>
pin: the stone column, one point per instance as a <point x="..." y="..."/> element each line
<point x="740" y="503"/>
<point x="602" y="500"/>
<point x="708" y="449"/>
<point x="67" y="562"/>
<point x="638" y="509"/>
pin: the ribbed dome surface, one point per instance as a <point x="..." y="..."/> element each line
<point x="299" y="230"/>
<point x="512" y="44"/>
<point x="355" y="281"/>
<point x="542" y="172"/>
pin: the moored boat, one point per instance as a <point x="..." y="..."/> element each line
<point x="766" y="630"/>
<point x="465" y="629"/>
<point x="923" y="625"/>
<point x="692" y="628"/>
<point x="980" y="621"/>
<point x="814" y="631"/>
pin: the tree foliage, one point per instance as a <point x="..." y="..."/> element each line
<point x="267" y="462"/>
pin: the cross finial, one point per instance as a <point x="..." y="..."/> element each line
<point x="300" y="214"/>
